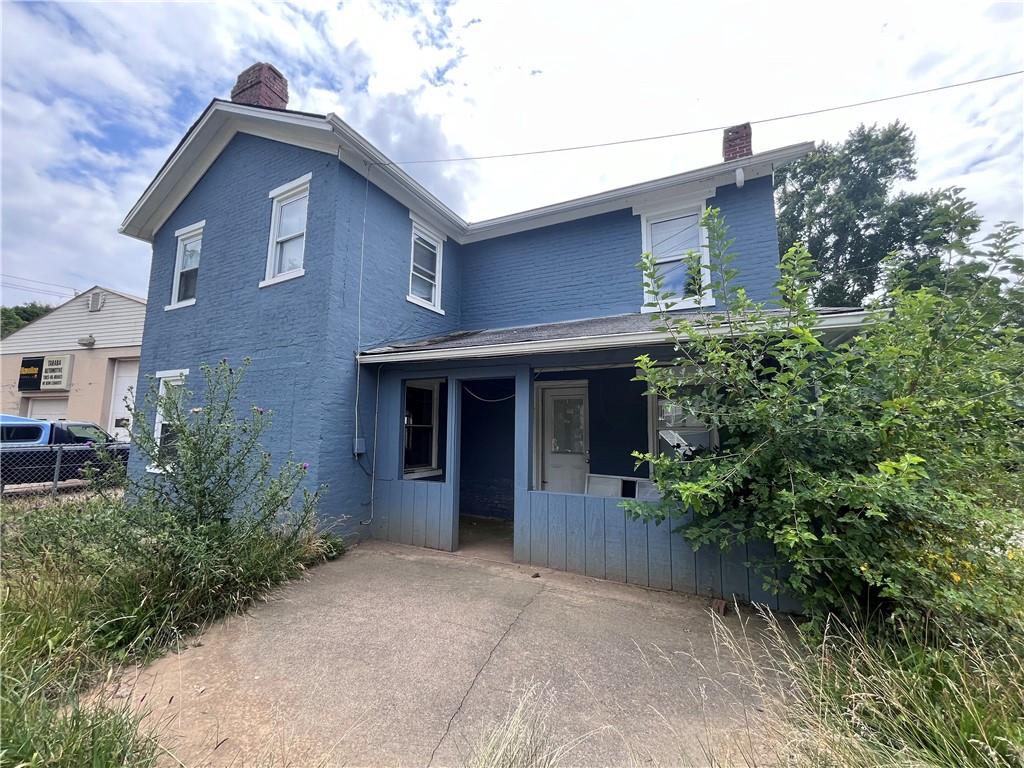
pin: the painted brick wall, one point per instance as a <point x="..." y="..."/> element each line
<point x="301" y="334"/>
<point x="587" y="268"/>
<point x="583" y="268"/>
<point x="749" y="214"/>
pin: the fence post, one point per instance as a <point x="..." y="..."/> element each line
<point x="56" y="472"/>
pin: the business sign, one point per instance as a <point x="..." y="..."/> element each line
<point x="56" y="372"/>
<point x="31" y="374"/>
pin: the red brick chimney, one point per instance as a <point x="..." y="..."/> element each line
<point x="261" y="85"/>
<point x="736" y="142"/>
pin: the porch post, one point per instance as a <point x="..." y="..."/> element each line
<point x="450" y="495"/>
<point x="523" y="451"/>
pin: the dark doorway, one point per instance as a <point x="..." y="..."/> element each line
<point x="486" y="466"/>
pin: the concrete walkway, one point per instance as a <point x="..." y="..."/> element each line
<point x="396" y="655"/>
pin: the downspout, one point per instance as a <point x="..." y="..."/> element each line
<point x="373" y="457"/>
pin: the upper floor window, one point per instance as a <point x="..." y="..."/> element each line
<point x="186" y="265"/>
<point x="670" y="234"/>
<point x="287" y="231"/>
<point x="425" y="267"/>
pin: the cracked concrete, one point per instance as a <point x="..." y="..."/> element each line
<point x="396" y="655"/>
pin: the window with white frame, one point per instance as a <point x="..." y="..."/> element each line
<point x="186" y="265"/>
<point x="170" y="384"/>
<point x="677" y="430"/>
<point x="671" y="235"/>
<point x="423" y="412"/>
<point x="287" y="231"/>
<point x="425" y="267"/>
<point x="674" y="430"/>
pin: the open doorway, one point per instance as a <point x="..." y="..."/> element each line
<point x="486" y="468"/>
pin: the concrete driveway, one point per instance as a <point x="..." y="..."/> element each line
<point x="397" y="655"/>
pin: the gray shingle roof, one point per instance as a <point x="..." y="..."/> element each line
<point x="570" y="329"/>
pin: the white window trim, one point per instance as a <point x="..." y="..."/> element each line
<point x="421" y="229"/>
<point x="184" y="234"/>
<point x="653" y="447"/>
<point x="175" y="376"/>
<point x="674" y="210"/>
<point x="435" y="386"/>
<point x="280" y="195"/>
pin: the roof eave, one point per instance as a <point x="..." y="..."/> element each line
<point x="763" y="163"/>
<point x="221" y="120"/>
<point x="845" y="321"/>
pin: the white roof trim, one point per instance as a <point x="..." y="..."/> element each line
<point x="330" y="134"/>
<point x="843" y="321"/>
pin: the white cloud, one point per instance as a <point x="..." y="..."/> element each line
<point x="95" y="96"/>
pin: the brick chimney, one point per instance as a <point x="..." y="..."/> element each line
<point x="261" y="85"/>
<point x="736" y="142"/>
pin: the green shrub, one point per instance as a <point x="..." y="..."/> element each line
<point x="91" y="584"/>
<point x="885" y="469"/>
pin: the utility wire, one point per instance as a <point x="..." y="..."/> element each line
<point x="696" y="131"/>
<point x="33" y="280"/>
<point x="33" y="289"/>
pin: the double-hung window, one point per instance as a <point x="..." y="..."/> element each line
<point x="425" y="267"/>
<point x="287" y="231"/>
<point x="423" y="412"/>
<point x="671" y="234"/>
<point x="186" y="265"/>
<point x="171" y="384"/>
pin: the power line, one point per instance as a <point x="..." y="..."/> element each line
<point x="33" y="280"/>
<point x="34" y="289"/>
<point x="696" y="131"/>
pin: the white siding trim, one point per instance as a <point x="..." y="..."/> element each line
<point x="118" y="324"/>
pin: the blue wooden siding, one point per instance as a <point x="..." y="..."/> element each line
<point x="589" y="535"/>
<point x="597" y="537"/>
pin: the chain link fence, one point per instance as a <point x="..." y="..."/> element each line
<point x="49" y="469"/>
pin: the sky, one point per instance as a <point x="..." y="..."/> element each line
<point x="96" y="95"/>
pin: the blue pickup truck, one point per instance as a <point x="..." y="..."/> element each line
<point x="35" y="451"/>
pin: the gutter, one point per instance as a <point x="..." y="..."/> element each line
<point x="847" y="321"/>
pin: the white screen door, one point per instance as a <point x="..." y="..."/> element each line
<point x="126" y="375"/>
<point x="565" y="442"/>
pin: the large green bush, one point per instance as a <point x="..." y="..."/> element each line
<point x="90" y="584"/>
<point x="884" y="468"/>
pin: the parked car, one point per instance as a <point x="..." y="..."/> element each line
<point x="31" y="448"/>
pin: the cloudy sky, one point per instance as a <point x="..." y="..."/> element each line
<point x="95" y="95"/>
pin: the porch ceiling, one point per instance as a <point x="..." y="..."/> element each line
<point x="613" y="332"/>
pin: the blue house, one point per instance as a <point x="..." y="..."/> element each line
<point x="443" y="377"/>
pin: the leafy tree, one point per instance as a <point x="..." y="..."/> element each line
<point x="839" y="202"/>
<point x="885" y="469"/>
<point x="13" y="318"/>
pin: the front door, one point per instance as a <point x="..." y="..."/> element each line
<point x="565" y="447"/>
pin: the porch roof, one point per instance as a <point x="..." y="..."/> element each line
<point x="613" y="332"/>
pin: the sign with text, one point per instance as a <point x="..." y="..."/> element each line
<point x="56" y="372"/>
<point x="31" y="374"/>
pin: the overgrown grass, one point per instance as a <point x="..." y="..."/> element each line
<point x="90" y="585"/>
<point x="522" y="739"/>
<point x="883" y="696"/>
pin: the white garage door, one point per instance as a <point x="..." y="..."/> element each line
<point x="48" y="408"/>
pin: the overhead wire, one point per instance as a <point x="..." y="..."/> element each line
<point x="709" y="129"/>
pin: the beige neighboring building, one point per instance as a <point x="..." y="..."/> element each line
<point x="78" y="362"/>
